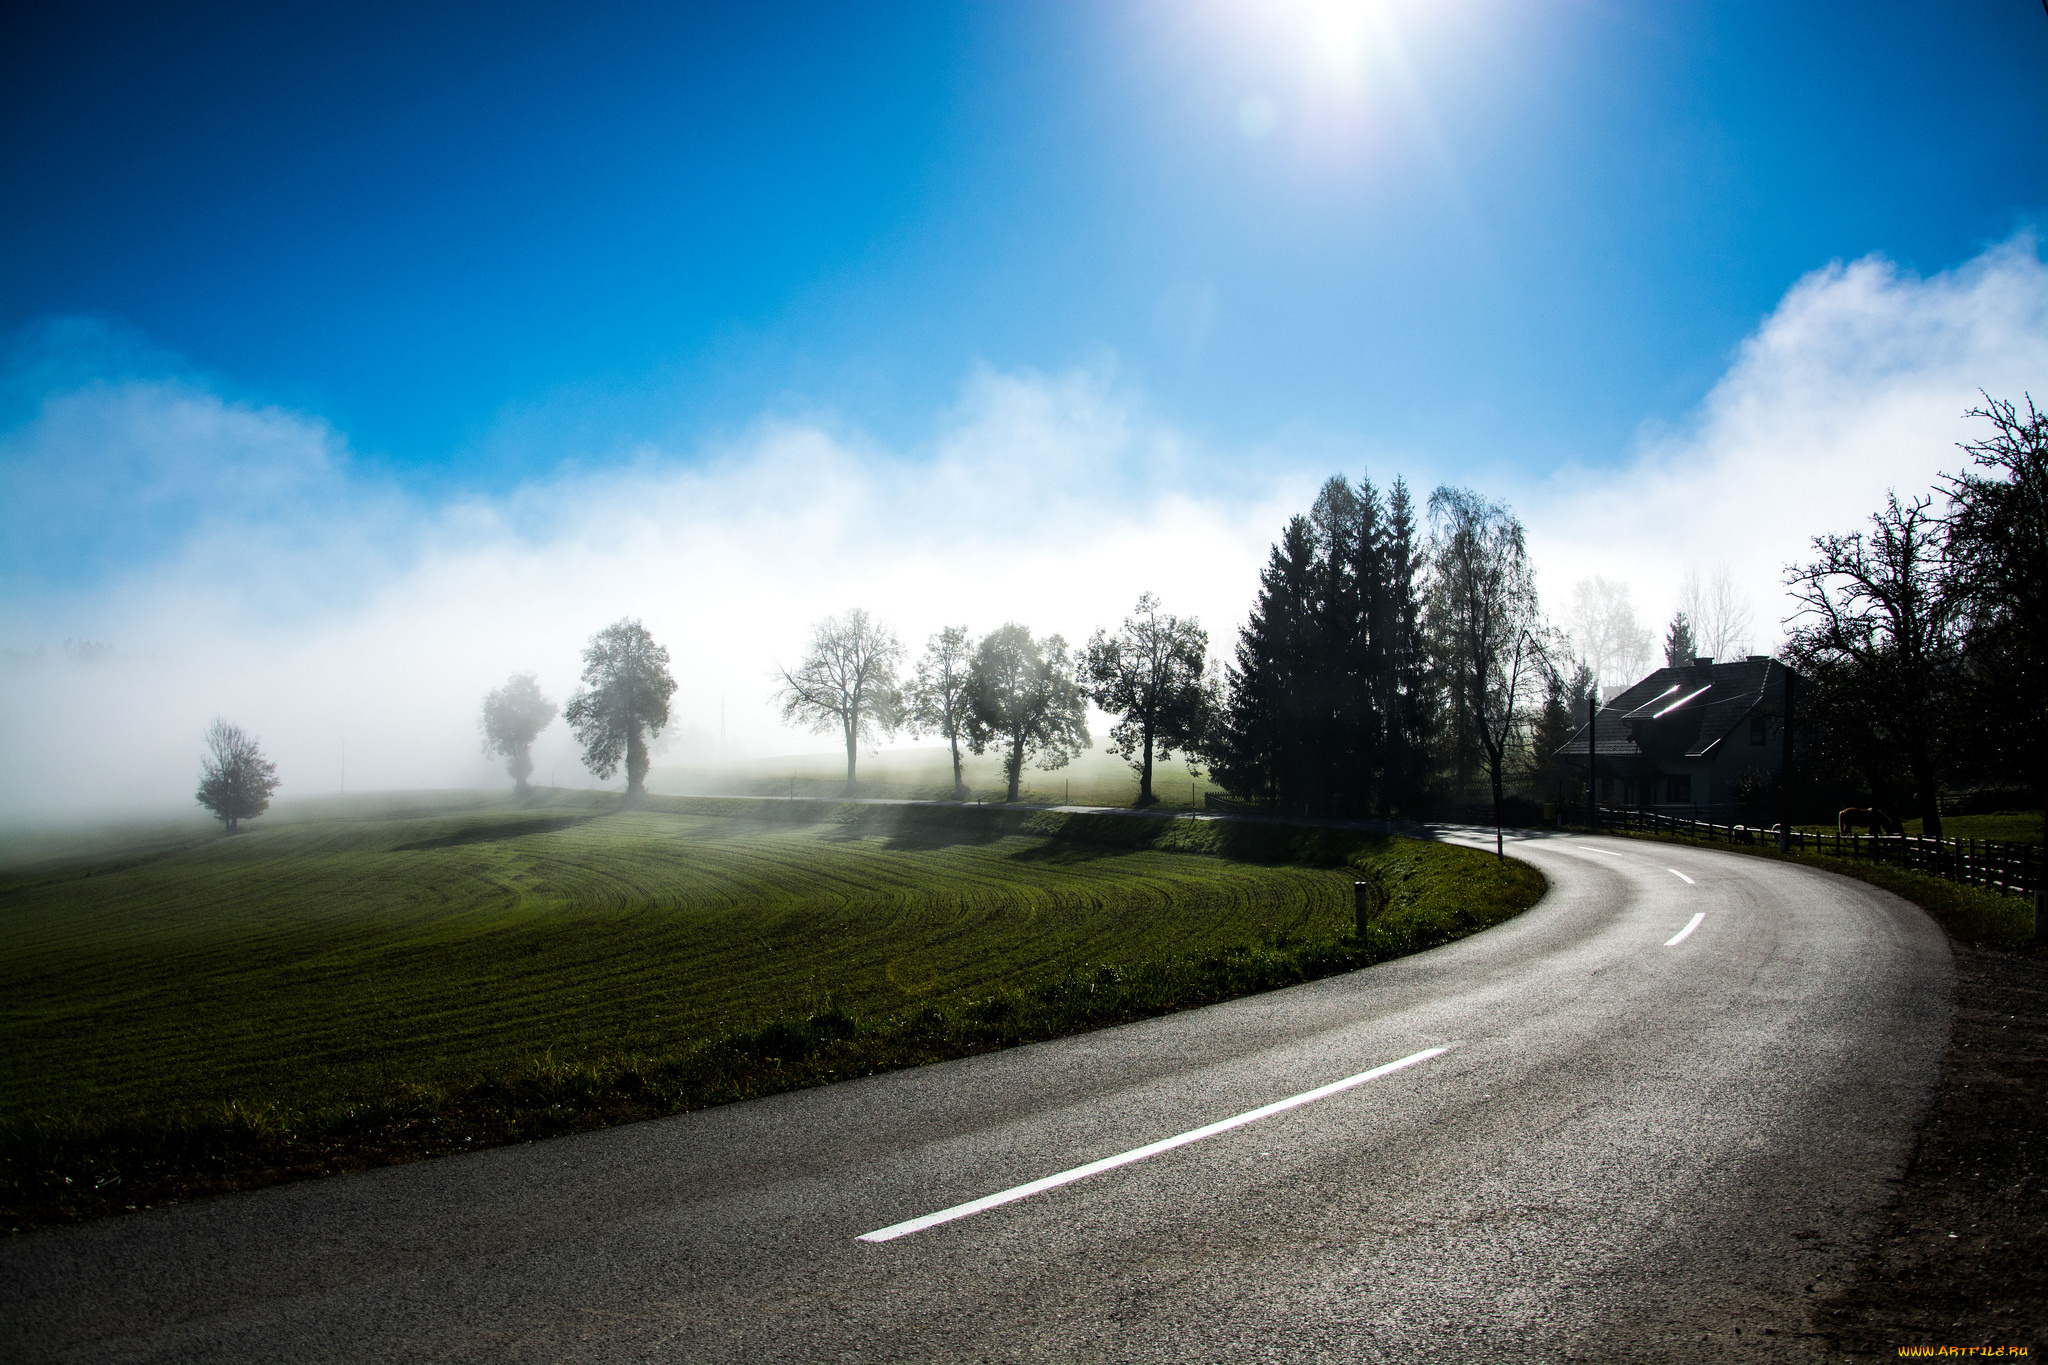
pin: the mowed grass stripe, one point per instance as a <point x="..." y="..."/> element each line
<point x="319" y="963"/>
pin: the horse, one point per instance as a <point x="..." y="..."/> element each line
<point x="1859" y="816"/>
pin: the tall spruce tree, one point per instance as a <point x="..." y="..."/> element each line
<point x="1341" y="749"/>
<point x="1328" y="706"/>
<point x="1256" y="753"/>
<point x="1405" y="697"/>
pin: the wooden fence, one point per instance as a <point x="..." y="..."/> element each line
<point x="2016" y="869"/>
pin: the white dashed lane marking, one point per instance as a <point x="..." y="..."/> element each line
<point x="1068" y="1177"/>
<point x="1680" y="936"/>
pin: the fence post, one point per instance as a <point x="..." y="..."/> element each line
<point x="2040" y="865"/>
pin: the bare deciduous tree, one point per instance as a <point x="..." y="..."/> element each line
<point x="514" y="715"/>
<point x="623" y="701"/>
<point x="235" y="780"/>
<point x="1149" y="676"/>
<point x="937" y="701"/>
<point x="1718" y="612"/>
<point x="1997" y="554"/>
<point x="1021" y="694"/>
<point x="1484" y="624"/>
<point x="847" y="682"/>
<point x="1878" y="601"/>
<point x="1606" y="634"/>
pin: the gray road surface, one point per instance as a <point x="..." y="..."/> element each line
<point x="1628" y="1150"/>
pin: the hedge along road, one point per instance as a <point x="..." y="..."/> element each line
<point x="1609" y="1136"/>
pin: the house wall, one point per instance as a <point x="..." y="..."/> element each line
<point x="1710" y="781"/>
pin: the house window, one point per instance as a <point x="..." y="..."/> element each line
<point x="1756" y="729"/>
<point x="1678" y="789"/>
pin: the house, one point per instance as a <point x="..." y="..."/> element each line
<point x="1685" y="736"/>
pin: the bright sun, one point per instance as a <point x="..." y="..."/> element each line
<point x="1340" y="39"/>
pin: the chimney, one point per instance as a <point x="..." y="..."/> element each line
<point x="1703" y="661"/>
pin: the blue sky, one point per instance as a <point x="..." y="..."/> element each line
<point x="481" y="240"/>
<point x="322" y="325"/>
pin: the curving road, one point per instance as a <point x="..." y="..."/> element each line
<point x="1604" y="1143"/>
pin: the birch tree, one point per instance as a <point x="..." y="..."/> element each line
<point x="1484" y="624"/>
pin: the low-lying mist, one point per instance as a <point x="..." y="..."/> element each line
<point x="206" y="557"/>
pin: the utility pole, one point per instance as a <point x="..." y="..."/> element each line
<point x="1785" y="773"/>
<point x="1592" y="749"/>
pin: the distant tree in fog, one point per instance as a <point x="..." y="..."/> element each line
<point x="1605" y="633"/>
<point x="1022" y="696"/>
<point x="847" y="682"/>
<point x="937" y="700"/>
<point x="235" y="780"/>
<point x="623" y="701"/>
<point x="1718" y="613"/>
<point x="513" y="715"/>
<point x="1149" y="676"/>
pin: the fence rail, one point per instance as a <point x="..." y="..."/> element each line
<point x="2016" y="869"/>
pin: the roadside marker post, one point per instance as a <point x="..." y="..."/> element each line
<point x="1368" y="899"/>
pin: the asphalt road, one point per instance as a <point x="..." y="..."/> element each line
<point x="1626" y="1148"/>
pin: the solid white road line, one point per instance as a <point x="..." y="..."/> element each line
<point x="1691" y="925"/>
<point x="1108" y="1163"/>
<point x="1681" y="876"/>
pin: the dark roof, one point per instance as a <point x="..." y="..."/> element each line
<point x="1683" y="712"/>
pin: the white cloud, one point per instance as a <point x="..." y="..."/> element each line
<point x="1856" y="383"/>
<point x="321" y="610"/>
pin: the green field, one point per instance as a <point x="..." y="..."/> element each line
<point x="367" y="979"/>
<point x="2019" y="827"/>
<point x="329" y="959"/>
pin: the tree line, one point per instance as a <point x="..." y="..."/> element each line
<point x="1391" y="662"/>
<point x="1924" y="635"/>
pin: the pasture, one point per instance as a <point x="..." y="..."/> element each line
<point x="368" y="954"/>
<point x="2018" y="827"/>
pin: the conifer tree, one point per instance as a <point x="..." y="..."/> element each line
<point x="1678" y="646"/>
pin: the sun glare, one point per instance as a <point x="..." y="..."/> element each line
<point x="1339" y="41"/>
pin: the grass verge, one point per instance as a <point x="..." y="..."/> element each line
<point x="64" y="1166"/>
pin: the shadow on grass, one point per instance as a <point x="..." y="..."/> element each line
<point x="495" y="833"/>
<point x="1069" y="854"/>
<point x="927" y="838"/>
